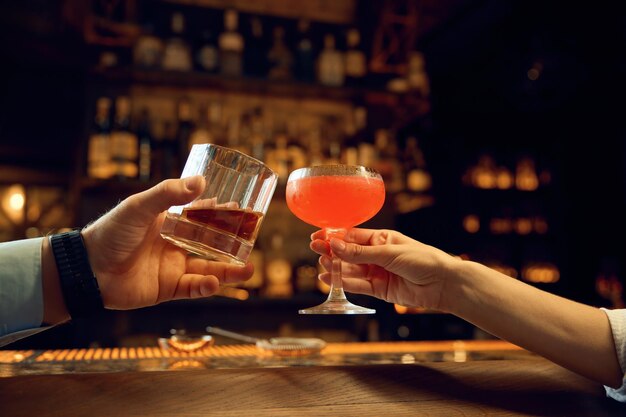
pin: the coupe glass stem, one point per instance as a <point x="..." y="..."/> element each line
<point x="336" y="284"/>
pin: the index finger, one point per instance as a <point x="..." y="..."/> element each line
<point x="356" y="235"/>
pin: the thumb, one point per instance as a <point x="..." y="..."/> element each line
<point x="359" y="254"/>
<point x="173" y="192"/>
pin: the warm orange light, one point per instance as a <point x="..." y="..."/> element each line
<point x="471" y="223"/>
<point x="13" y="202"/>
<point x="541" y="272"/>
<point x="400" y="309"/>
<point x="504" y="178"/>
<point x="525" y="176"/>
<point x="236" y="293"/>
<point x="500" y="226"/>
<point x="523" y="226"/>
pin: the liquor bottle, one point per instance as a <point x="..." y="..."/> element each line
<point x="231" y="45"/>
<point x="331" y="65"/>
<point x="386" y="160"/>
<point x="216" y="128"/>
<point x="364" y="138"/>
<point x="278" y="156"/>
<point x="257" y="134"/>
<point x="98" y="153"/>
<point x="333" y="136"/>
<point x="124" y="142"/>
<point x="148" y="50"/>
<point x="297" y="154"/>
<point x="417" y="77"/>
<point x="356" y="67"/>
<point x="234" y="136"/>
<point x="207" y="55"/>
<point x="255" y="53"/>
<point x="201" y="132"/>
<point x="177" y="53"/>
<point x="355" y="135"/>
<point x="169" y="152"/>
<point x="305" y="55"/>
<point x="144" y="134"/>
<point x="185" y="128"/>
<point x="279" y="57"/>
<point x="316" y="153"/>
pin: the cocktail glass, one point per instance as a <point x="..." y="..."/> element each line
<point x="222" y="224"/>
<point x="335" y="198"/>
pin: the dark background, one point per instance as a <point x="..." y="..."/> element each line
<point x="571" y="119"/>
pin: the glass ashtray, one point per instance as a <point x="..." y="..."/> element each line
<point x="186" y="344"/>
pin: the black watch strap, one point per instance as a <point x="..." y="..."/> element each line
<point x="78" y="282"/>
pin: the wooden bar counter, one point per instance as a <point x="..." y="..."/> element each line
<point x="452" y="378"/>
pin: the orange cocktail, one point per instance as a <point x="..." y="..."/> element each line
<point x="335" y="198"/>
<point x="335" y="201"/>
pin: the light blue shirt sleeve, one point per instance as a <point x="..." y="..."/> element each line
<point x="21" y="288"/>
<point x="617" y="320"/>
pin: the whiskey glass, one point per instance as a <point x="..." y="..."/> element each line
<point x="222" y="224"/>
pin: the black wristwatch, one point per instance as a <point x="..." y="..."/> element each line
<point x="78" y="282"/>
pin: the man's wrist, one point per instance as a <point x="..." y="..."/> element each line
<point x="78" y="283"/>
<point x="54" y="309"/>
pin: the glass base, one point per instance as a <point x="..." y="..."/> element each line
<point x="337" y="307"/>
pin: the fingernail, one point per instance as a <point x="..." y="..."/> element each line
<point x="192" y="183"/>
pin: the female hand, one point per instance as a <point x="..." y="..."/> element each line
<point x="388" y="265"/>
<point x="136" y="267"/>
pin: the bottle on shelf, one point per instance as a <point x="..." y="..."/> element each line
<point x="297" y="153"/>
<point x="386" y="160"/>
<point x="169" y="152"/>
<point x="207" y="55"/>
<point x="255" y="53"/>
<point x="148" y="49"/>
<point x="144" y="135"/>
<point x="355" y="135"/>
<point x="185" y="127"/>
<point x="216" y="127"/>
<point x="99" y="164"/>
<point x="331" y="64"/>
<point x="277" y="156"/>
<point x="124" y="142"/>
<point x="279" y="57"/>
<point x="417" y="78"/>
<point x="333" y="137"/>
<point x="305" y="54"/>
<point x="234" y="137"/>
<point x="231" y="45"/>
<point x="257" y="134"/>
<point x="201" y="132"/>
<point x="177" y="52"/>
<point x="356" y="67"/>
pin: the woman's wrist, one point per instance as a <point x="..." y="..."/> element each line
<point x="459" y="292"/>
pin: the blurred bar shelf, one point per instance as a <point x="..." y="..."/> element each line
<point x="246" y="85"/>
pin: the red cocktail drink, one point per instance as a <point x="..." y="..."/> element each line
<point x="335" y="201"/>
<point x="335" y="198"/>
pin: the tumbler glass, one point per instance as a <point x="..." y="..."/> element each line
<point x="222" y="224"/>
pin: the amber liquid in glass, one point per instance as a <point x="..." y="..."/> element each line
<point x="216" y="233"/>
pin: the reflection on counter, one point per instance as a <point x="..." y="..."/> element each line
<point x="155" y="358"/>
